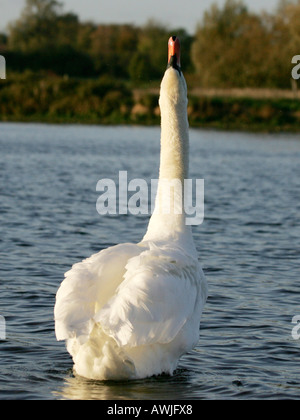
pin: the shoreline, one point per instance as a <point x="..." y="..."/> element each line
<point x="233" y="127"/>
<point x="105" y="101"/>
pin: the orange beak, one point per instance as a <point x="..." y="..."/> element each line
<point x="174" y="52"/>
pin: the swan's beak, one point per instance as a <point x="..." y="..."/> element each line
<point x="174" y="53"/>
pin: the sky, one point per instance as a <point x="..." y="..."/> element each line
<point x="173" y="13"/>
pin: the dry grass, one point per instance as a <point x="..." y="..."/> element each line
<point x="253" y="93"/>
<point x="248" y="93"/>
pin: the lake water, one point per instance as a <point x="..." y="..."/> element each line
<point x="248" y="244"/>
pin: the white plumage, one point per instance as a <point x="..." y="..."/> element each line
<point x="131" y="310"/>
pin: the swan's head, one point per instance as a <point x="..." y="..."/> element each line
<point x="174" y="53"/>
<point x="173" y="89"/>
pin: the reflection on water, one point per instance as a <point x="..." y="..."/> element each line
<point x="249" y="245"/>
<point x="75" y="387"/>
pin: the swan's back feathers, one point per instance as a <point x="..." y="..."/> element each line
<point x="87" y="287"/>
<point x="161" y="291"/>
<point x="138" y="295"/>
<point x="130" y="310"/>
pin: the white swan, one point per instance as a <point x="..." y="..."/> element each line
<point x="131" y="310"/>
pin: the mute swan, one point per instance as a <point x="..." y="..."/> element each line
<point x="132" y="310"/>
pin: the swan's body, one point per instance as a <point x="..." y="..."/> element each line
<point x="131" y="310"/>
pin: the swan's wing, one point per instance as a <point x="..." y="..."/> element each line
<point x="87" y="287"/>
<point x="160" y="292"/>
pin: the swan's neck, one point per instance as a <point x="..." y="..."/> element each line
<point x="168" y="218"/>
<point x="174" y="143"/>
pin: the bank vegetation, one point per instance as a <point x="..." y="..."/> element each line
<point x="237" y="64"/>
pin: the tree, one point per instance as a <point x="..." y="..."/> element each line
<point x="152" y="43"/>
<point x="43" y="25"/>
<point x="36" y="27"/>
<point x="3" y="41"/>
<point x="84" y="36"/>
<point x="231" y="47"/>
<point x="45" y="38"/>
<point x="288" y="18"/>
<point x="140" y="68"/>
<point x="284" y="32"/>
<point x="112" y="47"/>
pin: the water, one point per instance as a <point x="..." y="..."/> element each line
<point x="249" y="246"/>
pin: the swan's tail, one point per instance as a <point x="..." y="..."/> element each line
<point x="100" y="357"/>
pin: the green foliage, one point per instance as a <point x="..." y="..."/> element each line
<point x="140" y="67"/>
<point x="60" y="60"/>
<point x="37" y="26"/>
<point x="39" y="96"/>
<point x="112" y="47"/>
<point x="3" y="41"/>
<point x="236" y="48"/>
<point x="244" y="113"/>
<point x="46" y="38"/>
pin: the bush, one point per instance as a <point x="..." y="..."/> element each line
<point x="60" y="97"/>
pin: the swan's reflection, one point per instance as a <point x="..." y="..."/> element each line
<point x="156" y="388"/>
<point x="78" y="388"/>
